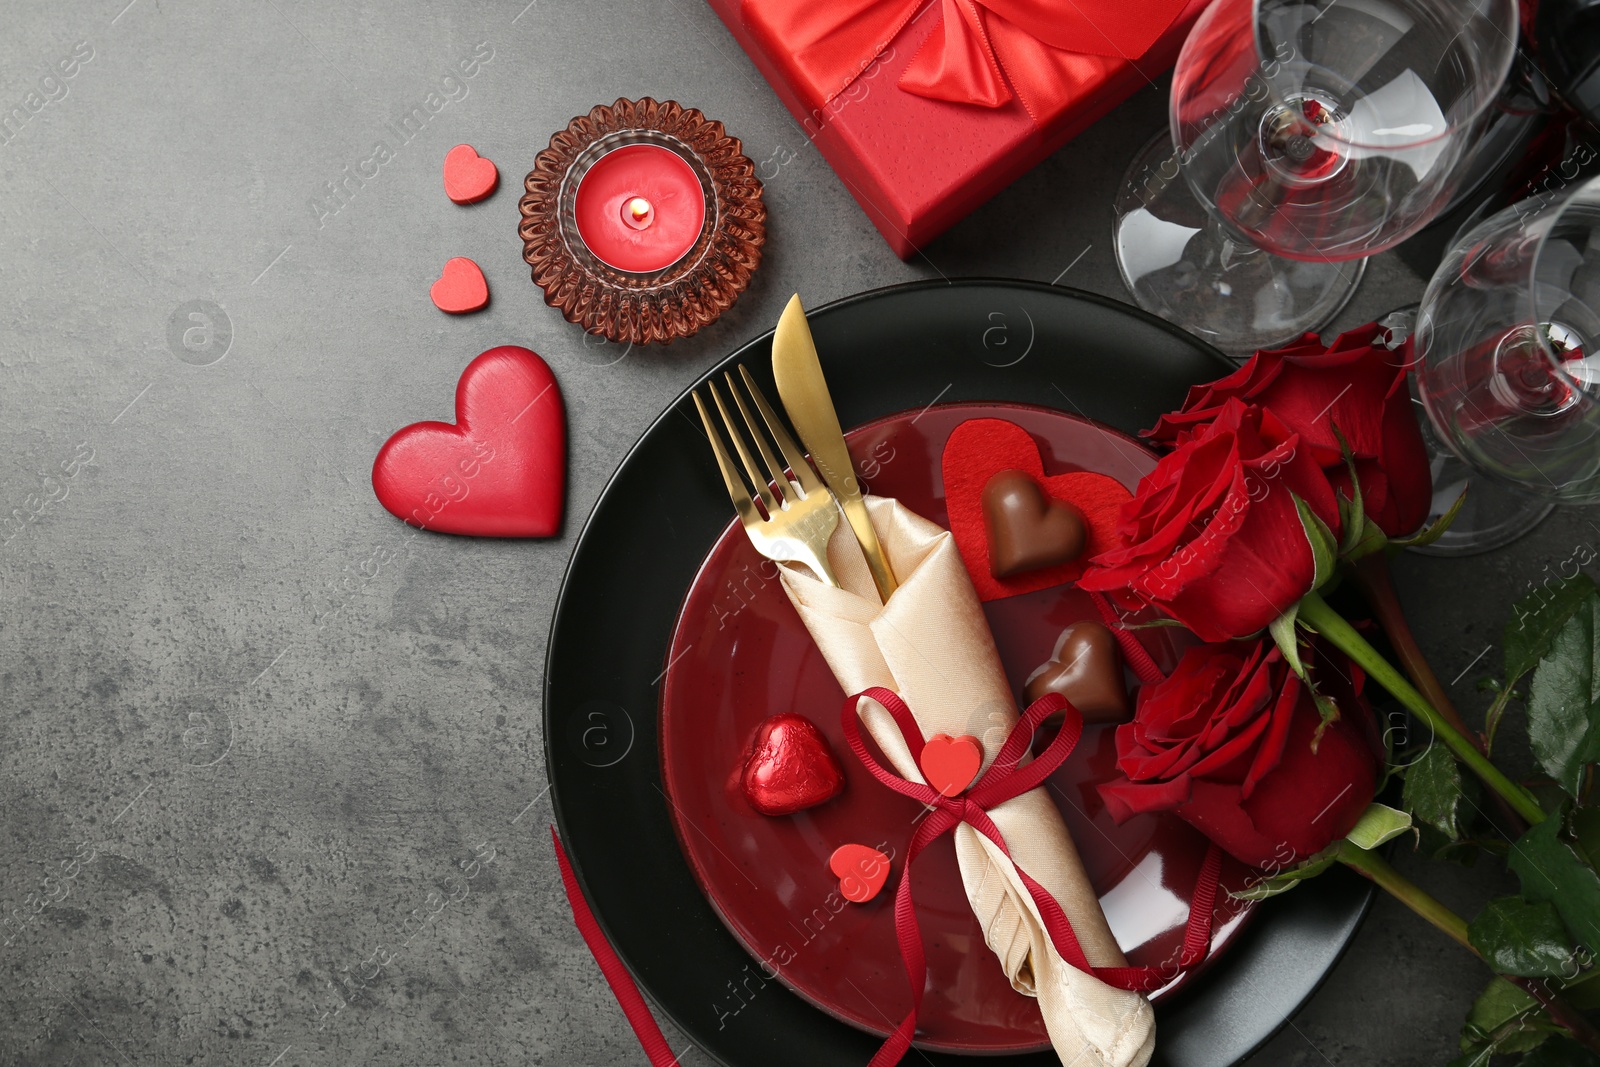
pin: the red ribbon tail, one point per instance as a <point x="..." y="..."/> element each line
<point x="1196" y="936"/>
<point x="617" y="977"/>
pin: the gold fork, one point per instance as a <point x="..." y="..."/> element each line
<point x="797" y="514"/>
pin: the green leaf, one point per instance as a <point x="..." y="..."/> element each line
<point x="1515" y="937"/>
<point x="1564" y="699"/>
<point x="1583" y="992"/>
<point x="1537" y="618"/>
<point x="1429" y="534"/>
<point x="1372" y="539"/>
<point x="1285" y="880"/>
<point x="1362" y="536"/>
<point x="1288" y="641"/>
<point x="1552" y="870"/>
<point x="1328" y="709"/>
<point x="1358" y="532"/>
<point x="1559" y="1052"/>
<point x="1585" y="826"/>
<point x="1500" y="1003"/>
<point x="1324" y="546"/>
<point x="1432" y="843"/>
<point x="1433" y="790"/>
<point x="1379" y="823"/>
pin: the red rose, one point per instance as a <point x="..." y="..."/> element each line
<point x="1355" y="385"/>
<point x="1212" y="537"/>
<point x="1225" y="743"/>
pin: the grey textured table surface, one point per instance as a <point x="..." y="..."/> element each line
<point x="275" y="747"/>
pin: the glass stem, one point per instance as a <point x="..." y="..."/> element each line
<point x="1315" y="613"/>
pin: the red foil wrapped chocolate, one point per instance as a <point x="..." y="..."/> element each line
<point x="789" y="767"/>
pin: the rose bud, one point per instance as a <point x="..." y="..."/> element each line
<point x="1212" y="537"/>
<point x="1356" y="386"/>
<point x="1226" y="743"/>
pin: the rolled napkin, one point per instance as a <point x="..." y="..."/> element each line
<point x="932" y="645"/>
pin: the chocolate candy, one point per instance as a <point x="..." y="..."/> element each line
<point x="1027" y="529"/>
<point x="1086" y="668"/>
<point x="789" y="767"/>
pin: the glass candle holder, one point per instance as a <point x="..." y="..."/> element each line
<point x="642" y="221"/>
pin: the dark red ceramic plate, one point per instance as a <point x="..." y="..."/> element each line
<point x="740" y="654"/>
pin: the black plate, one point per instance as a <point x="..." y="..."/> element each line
<point x="890" y="350"/>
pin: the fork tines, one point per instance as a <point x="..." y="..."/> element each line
<point x="792" y="515"/>
<point x="777" y="483"/>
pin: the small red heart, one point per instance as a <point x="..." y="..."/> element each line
<point x="789" y="767"/>
<point x="861" y="871"/>
<point x="499" y="470"/>
<point x="468" y="177"/>
<point x="949" y="764"/>
<point x="981" y="448"/>
<point x="461" y="287"/>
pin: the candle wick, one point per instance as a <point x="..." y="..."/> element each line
<point x="638" y="212"/>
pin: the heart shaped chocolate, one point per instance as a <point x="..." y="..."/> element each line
<point x="861" y="871"/>
<point x="789" y="767"/>
<point x="1027" y="529"/>
<point x="1086" y="668"/>
<point x="981" y="448"/>
<point x="949" y="764"/>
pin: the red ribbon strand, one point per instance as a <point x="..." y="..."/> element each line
<point x="616" y="974"/>
<point x="1005" y="778"/>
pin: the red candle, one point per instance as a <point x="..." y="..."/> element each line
<point x="640" y="208"/>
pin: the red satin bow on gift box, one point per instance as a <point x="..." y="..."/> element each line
<point x="1004" y="779"/>
<point x="983" y="52"/>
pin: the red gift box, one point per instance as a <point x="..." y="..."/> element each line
<point x="927" y="108"/>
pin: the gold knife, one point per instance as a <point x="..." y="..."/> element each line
<point x="804" y="393"/>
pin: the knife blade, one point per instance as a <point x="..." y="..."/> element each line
<point x="804" y="394"/>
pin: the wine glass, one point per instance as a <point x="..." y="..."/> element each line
<point x="1503" y="362"/>
<point x="1309" y="134"/>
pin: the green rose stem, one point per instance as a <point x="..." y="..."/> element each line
<point x="1315" y="613"/>
<point x="1376" y="869"/>
<point x="1372" y="575"/>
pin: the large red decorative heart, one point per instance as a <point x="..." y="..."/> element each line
<point x="981" y="448"/>
<point x="949" y="764"/>
<point x="461" y="287"/>
<point x="789" y="767"/>
<point x="500" y="470"/>
<point x="468" y="177"/>
<point x="861" y="871"/>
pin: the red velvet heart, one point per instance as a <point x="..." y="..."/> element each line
<point x="461" y="287"/>
<point x="981" y="448"/>
<point x="949" y="764"/>
<point x="500" y="470"/>
<point x="788" y="767"/>
<point x="468" y="177"/>
<point x="861" y="871"/>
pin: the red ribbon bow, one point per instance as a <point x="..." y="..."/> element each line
<point x="982" y="52"/>
<point x="1003" y="780"/>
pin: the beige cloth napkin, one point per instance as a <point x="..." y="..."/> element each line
<point x="932" y="645"/>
